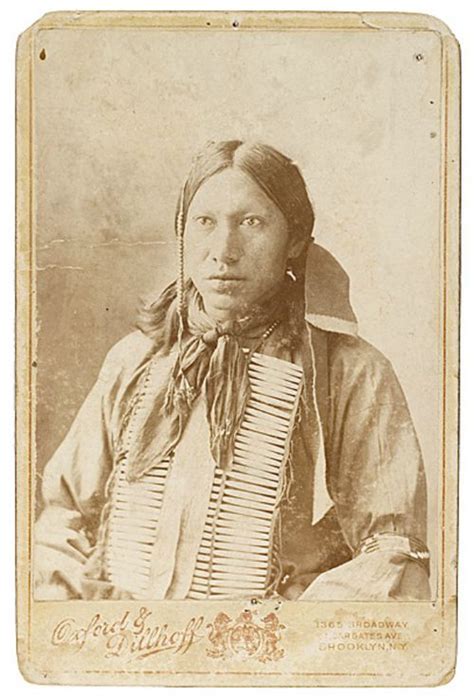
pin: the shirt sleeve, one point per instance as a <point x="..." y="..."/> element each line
<point x="73" y="486"/>
<point x="376" y="480"/>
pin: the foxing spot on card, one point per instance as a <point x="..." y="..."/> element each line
<point x="237" y="348"/>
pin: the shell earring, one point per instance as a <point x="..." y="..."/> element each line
<point x="289" y="271"/>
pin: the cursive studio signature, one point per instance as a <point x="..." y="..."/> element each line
<point x="131" y="635"/>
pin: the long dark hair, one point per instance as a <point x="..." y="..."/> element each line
<point x="281" y="180"/>
<point x="276" y="174"/>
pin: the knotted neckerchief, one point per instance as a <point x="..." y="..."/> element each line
<point x="211" y="360"/>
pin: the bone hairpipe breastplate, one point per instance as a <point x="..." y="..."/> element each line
<point x="234" y="558"/>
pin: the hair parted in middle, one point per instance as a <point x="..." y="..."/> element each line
<point x="278" y="177"/>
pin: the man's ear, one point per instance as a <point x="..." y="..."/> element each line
<point x="296" y="248"/>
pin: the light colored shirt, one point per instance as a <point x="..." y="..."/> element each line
<point x="374" y="477"/>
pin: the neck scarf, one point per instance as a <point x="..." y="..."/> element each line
<point x="322" y="301"/>
<point x="210" y="359"/>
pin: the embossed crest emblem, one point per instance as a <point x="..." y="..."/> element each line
<point x="246" y="637"/>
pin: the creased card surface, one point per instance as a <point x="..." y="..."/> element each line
<point x="237" y="349"/>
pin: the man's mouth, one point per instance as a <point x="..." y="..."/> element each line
<point x="225" y="278"/>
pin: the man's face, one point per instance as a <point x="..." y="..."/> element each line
<point x="236" y="244"/>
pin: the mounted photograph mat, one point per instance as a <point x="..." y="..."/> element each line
<point x="237" y="348"/>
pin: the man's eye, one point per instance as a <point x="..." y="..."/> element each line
<point x="204" y="221"/>
<point x="252" y="221"/>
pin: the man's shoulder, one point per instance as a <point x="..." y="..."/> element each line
<point x="128" y="352"/>
<point x="350" y="353"/>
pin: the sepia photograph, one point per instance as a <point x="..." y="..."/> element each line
<point x="239" y="310"/>
<point x="244" y="440"/>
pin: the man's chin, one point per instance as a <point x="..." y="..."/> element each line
<point x="224" y="306"/>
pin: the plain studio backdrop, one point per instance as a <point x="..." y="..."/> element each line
<point x="120" y="113"/>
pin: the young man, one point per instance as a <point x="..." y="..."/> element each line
<point x="244" y="442"/>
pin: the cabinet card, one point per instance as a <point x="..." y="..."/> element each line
<point x="237" y="348"/>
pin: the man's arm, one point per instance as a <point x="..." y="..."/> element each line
<point x="74" y="481"/>
<point x="376" y="480"/>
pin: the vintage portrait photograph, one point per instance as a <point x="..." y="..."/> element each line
<point x="191" y="469"/>
<point x="242" y="309"/>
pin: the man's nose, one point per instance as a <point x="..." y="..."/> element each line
<point x="226" y="246"/>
